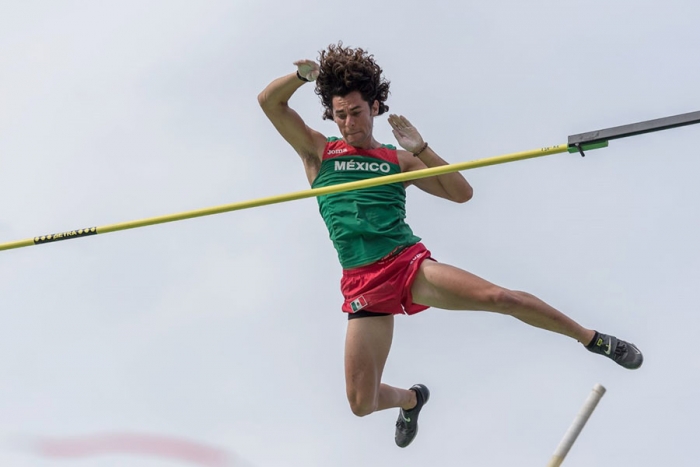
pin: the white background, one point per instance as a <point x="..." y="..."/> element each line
<point x="227" y="330"/>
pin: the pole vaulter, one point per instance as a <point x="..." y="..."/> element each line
<point x="576" y="144"/>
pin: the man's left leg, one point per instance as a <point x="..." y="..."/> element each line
<point x="451" y="288"/>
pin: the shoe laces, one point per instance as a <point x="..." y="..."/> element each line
<point x="620" y="350"/>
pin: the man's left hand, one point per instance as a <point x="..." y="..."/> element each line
<point x="406" y="134"/>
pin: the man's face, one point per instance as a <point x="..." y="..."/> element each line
<point x="354" y="118"/>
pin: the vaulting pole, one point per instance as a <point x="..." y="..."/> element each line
<point x="576" y="427"/>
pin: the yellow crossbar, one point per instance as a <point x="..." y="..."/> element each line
<point x="402" y="177"/>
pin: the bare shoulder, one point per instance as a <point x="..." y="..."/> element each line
<point x="315" y="147"/>
<point x="312" y="156"/>
<point x="306" y="141"/>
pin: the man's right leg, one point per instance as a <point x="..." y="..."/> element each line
<point x="367" y="346"/>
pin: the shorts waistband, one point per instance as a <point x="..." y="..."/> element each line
<point x="395" y="252"/>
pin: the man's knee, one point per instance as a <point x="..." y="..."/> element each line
<point x="504" y="300"/>
<point x="362" y="404"/>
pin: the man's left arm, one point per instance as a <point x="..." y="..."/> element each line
<point x="419" y="155"/>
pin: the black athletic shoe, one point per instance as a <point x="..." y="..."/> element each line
<point x="621" y="352"/>
<point x="407" y="424"/>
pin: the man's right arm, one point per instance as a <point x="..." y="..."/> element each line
<point x="274" y="100"/>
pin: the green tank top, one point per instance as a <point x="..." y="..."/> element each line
<point x="368" y="224"/>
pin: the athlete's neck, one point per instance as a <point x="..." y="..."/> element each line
<point x="372" y="144"/>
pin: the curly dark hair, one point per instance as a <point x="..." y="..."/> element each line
<point x="344" y="70"/>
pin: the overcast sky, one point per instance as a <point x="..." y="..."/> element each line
<point x="227" y="330"/>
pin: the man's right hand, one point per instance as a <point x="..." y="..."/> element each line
<point x="308" y="69"/>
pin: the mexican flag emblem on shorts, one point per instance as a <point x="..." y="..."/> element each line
<point x="358" y="304"/>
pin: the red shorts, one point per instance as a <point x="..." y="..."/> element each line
<point x="384" y="286"/>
